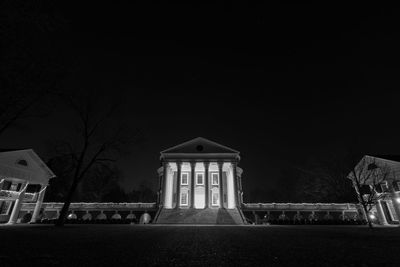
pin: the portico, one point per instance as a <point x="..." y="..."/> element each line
<point x="23" y="178"/>
<point x="199" y="174"/>
<point x="200" y="185"/>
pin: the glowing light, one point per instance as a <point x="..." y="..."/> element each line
<point x="372" y="216"/>
<point x="398" y="200"/>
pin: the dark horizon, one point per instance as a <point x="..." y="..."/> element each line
<point x="281" y="84"/>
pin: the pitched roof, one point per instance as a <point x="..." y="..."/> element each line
<point x="393" y="166"/>
<point x="24" y="164"/>
<point x="388" y="157"/>
<point x="200" y="145"/>
<point x="11" y="149"/>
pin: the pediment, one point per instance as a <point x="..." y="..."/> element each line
<point x="24" y="164"/>
<point x="200" y="145"/>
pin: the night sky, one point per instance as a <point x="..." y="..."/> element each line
<point x="279" y="83"/>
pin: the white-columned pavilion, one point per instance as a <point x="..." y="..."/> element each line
<point x="20" y="169"/>
<point x="199" y="175"/>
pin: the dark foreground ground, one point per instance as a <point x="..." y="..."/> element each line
<point x="134" y="245"/>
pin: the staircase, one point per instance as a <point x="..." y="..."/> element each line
<point x="199" y="216"/>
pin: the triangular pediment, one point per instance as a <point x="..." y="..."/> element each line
<point x="25" y="165"/>
<point x="200" y="145"/>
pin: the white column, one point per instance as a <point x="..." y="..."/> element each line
<point x="381" y="214"/>
<point x="192" y="183"/>
<point x="17" y="206"/>
<point x="178" y="184"/>
<point x="395" y="197"/>
<point x="200" y="191"/>
<point x="38" y="206"/>
<point x="230" y="188"/>
<point x="220" y="185"/>
<point x="207" y="184"/>
<point x="168" y="187"/>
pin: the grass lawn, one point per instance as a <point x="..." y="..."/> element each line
<point x="156" y="245"/>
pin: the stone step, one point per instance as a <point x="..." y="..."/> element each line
<point x="199" y="216"/>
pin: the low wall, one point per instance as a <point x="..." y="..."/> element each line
<point x="301" y="206"/>
<point x="254" y="212"/>
<point x="300" y="213"/>
<point x="84" y="206"/>
<point x="97" y="211"/>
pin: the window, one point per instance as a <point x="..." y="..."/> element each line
<point x="22" y="162"/>
<point x="184" y="198"/>
<point x="6" y="185"/>
<point x="184" y="178"/>
<point x="372" y="166"/>
<point x="215" y="199"/>
<point x="200" y="178"/>
<point x="384" y="187"/>
<point x="214" y="178"/>
<point x="15" y="187"/>
<point x="396" y="186"/>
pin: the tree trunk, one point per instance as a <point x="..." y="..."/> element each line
<point x="63" y="214"/>
<point x="366" y="215"/>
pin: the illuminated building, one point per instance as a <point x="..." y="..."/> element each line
<point x="23" y="178"/>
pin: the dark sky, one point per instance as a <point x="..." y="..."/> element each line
<point x="280" y="83"/>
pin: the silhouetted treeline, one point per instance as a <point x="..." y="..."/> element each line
<point x="101" y="185"/>
<point x="322" y="178"/>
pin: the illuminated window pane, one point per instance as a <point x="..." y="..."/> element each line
<point x="200" y="178"/>
<point x="184" y="178"/>
<point x="215" y="178"/>
<point x="184" y="198"/>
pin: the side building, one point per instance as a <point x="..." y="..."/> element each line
<point x="23" y="178"/>
<point x="377" y="180"/>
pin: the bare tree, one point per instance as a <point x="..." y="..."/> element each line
<point x="323" y="179"/>
<point x="367" y="177"/>
<point x="100" y="138"/>
<point x="101" y="182"/>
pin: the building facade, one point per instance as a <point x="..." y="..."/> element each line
<point x="200" y="182"/>
<point x="378" y="178"/>
<point x="200" y="179"/>
<point x="23" y="178"/>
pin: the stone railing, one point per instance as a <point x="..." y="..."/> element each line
<point x="303" y="213"/>
<point x="13" y="195"/>
<point x="8" y="195"/>
<point x="300" y="206"/>
<point x="84" y="206"/>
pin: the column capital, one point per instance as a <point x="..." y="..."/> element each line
<point x="192" y="164"/>
<point x="220" y="163"/>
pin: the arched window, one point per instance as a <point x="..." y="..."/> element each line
<point x="22" y="162"/>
